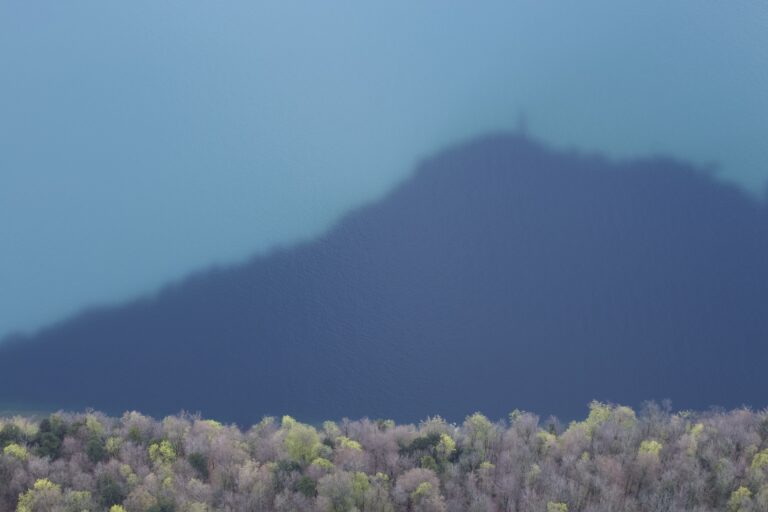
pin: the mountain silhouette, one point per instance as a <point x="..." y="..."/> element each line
<point x="503" y="274"/>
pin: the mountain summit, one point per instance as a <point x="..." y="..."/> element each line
<point x="501" y="275"/>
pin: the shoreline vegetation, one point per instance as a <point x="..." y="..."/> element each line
<point x="615" y="459"/>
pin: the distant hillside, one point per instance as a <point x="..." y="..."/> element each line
<point x="501" y="275"/>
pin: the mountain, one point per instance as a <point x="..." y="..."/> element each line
<point x="503" y="274"/>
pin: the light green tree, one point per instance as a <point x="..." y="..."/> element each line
<point x="351" y="444"/>
<point x="16" y="450"/>
<point x="162" y="452"/>
<point x="360" y="486"/>
<point x="446" y="447"/>
<point x="42" y="497"/>
<point x="302" y="442"/>
<point x="741" y="500"/>
<point x="78" y="501"/>
<point x="336" y="492"/>
<point x="479" y="431"/>
<point x="650" y="448"/>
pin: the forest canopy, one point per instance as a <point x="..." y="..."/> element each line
<point x="614" y="459"/>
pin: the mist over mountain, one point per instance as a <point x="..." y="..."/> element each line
<point x="503" y="274"/>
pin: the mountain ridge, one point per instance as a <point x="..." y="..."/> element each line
<point x="500" y="264"/>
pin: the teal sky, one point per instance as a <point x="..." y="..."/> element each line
<point x="142" y="140"/>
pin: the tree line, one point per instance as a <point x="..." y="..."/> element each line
<point x="615" y="459"/>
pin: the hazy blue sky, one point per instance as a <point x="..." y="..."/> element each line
<point x="141" y="140"/>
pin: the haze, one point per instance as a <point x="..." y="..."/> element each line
<point x="141" y="140"/>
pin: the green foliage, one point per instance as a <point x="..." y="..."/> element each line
<point x="11" y="433"/>
<point x="740" y="500"/>
<point x="307" y="486"/>
<point x="360" y="486"/>
<point x="433" y="450"/>
<point x="134" y="435"/>
<point x="78" y="501"/>
<point x="164" y="504"/>
<point x="385" y="425"/>
<point x="534" y="473"/>
<point x="422" y="443"/>
<point x="650" y="447"/>
<point x="696" y="430"/>
<point x="428" y="462"/>
<point x="215" y="425"/>
<point x="624" y="416"/>
<point x="200" y="462"/>
<point x="711" y="461"/>
<point x="95" y="449"/>
<point x="108" y="491"/>
<point x="479" y="426"/>
<point x="287" y="466"/>
<point x="556" y="506"/>
<point x="600" y="413"/>
<point x="112" y="445"/>
<point x="130" y="477"/>
<point x="761" y="500"/>
<point x="349" y="444"/>
<point x="446" y="447"/>
<point x="50" y="435"/>
<point x="162" y="452"/>
<point x="94" y="426"/>
<point x="331" y="430"/>
<point x="547" y="441"/>
<point x="515" y="415"/>
<point x="17" y="451"/>
<point x="422" y="491"/>
<point x="323" y="463"/>
<point x="44" y="495"/>
<point x="336" y="489"/>
<point x="28" y="427"/>
<point x="760" y="460"/>
<point x="45" y="425"/>
<point x="48" y="445"/>
<point x="302" y="442"/>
